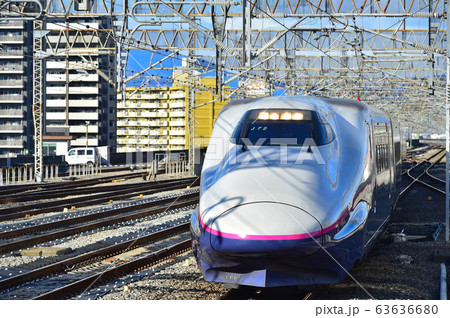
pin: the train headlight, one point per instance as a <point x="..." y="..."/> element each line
<point x="357" y="219"/>
<point x="195" y="223"/>
<point x="297" y="116"/>
<point x="274" y="116"/>
<point x="263" y="115"/>
<point x="286" y="116"/>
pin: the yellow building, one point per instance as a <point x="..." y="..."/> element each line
<point x="156" y="118"/>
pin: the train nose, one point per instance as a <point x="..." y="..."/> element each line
<point x="265" y="228"/>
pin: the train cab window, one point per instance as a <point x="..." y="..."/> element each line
<point x="282" y="126"/>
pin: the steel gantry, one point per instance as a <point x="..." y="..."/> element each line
<point x="390" y="53"/>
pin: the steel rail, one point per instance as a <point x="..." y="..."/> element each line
<point x="424" y="173"/>
<point x="121" y="270"/>
<point x="55" y="193"/>
<point x="89" y="200"/>
<point x="28" y="242"/>
<point x="75" y="262"/>
<point x="409" y="187"/>
<point x="88" y="218"/>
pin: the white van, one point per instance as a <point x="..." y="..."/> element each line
<point x="82" y="156"/>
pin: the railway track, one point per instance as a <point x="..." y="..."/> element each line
<point x="422" y="174"/>
<point x="89" y="222"/>
<point x="93" y="199"/>
<point x="51" y="228"/>
<point x="70" y="265"/>
<point x="68" y="277"/>
<point x="13" y="189"/>
<point x="121" y="270"/>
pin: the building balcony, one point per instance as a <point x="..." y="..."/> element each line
<point x="11" y="84"/>
<point x="5" y="143"/>
<point x="175" y="95"/>
<point x="177" y="105"/>
<point x="11" y="129"/>
<point x="82" y="142"/>
<point x="11" y="68"/>
<point x="83" y="90"/>
<point x="152" y="132"/>
<point x="153" y="114"/>
<point x="82" y="129"/>
<point x="83" y="116"/>
<point x="11" y="113"/>
<point x="12" y="25"/>
<point x="72" y="77"/>
<point x="55" y="103"/>
<point x="176" y="123"/>
<point x="11" y="54"/>
<point x="72" y="65"/>
<point x="147" y="96"/>
<point x="126" y="123"/>
<point x="83" y="102"/>
<point x="177" y="114"/>
<point x="61" y="90"/>
<point x="13" y="39"/>
<point x="55" y="115"/>
<point x="175" y="147"/>
<point x="154" y="123"/>
<point x="125" y="132"/>
<point x="177" y="132"/>
<point x="177" y="141"/>
<point x="161" y="141"/>
<point x="57" y="129"/>
<point x="127" y="140"/>
<point x="12" y="97"/>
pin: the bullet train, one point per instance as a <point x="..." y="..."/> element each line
<point x="294" y="190"/>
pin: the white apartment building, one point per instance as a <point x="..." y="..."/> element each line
<point x="80" y="100"/>
<point x="16" y="124"/>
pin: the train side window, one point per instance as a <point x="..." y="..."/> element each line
<point x="381" y="146"/>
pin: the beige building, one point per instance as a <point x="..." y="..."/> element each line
<point x="155" y="118"/>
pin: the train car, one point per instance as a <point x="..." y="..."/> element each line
<point x="294" y="190"/>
